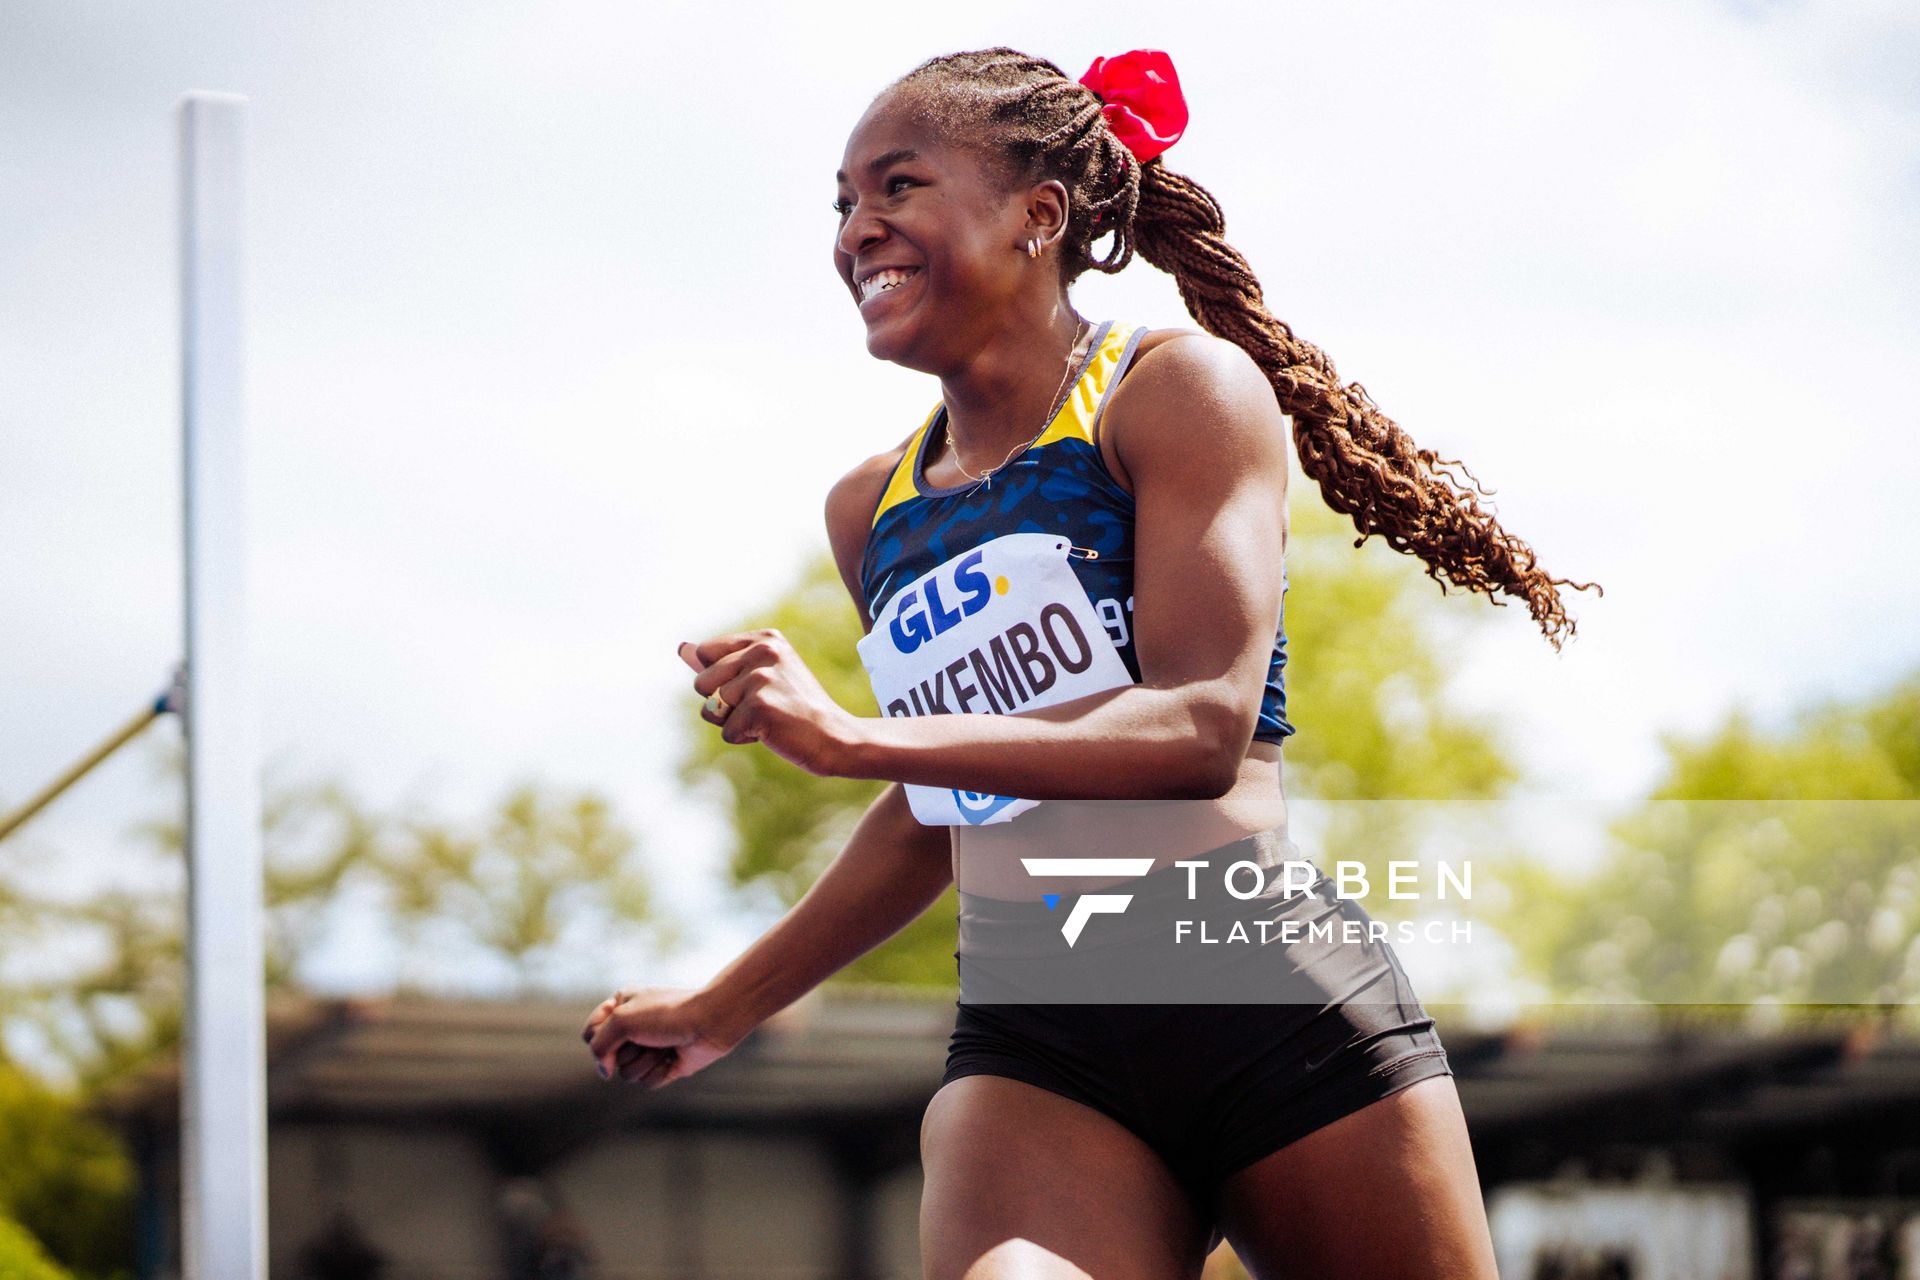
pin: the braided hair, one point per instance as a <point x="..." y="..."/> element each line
<point x="1031" y="122"/>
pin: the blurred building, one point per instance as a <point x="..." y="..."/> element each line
<point x="415" y="1137"/>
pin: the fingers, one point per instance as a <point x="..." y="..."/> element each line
<point x="631" y="1060"/>
<point x="649" y="1067"/>
<point x="738" y="723"/>
<point x="644" y="1064"/>
<point x="641" y="1022"/>
<point x="734" y="667"/>
<point x="615" y="1035"/>
<point x="727" y="657"/>
<point x="665" y="1067"/>
<point x="702" y="656"/>
<point x="602" y="1011"/>
<point x="613" y="1029"/>
<point x="607" y="1037"/>
<point x="708" y="652"/>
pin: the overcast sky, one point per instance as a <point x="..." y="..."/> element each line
<point x="548" y="368"/>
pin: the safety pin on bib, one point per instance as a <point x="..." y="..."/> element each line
<point x="1091" y="554"/>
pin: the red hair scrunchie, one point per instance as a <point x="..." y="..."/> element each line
<point x="1141" y="100"/>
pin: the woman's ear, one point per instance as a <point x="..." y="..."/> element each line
<point x="1047" y="212"/>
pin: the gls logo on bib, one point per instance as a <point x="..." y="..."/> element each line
<point x="1001" y="629"/>
<point x="925" y="615"/>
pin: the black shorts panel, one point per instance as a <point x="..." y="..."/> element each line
<point x="1214" y="1088"/>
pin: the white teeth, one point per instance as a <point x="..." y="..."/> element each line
<point x="881" y="281"/>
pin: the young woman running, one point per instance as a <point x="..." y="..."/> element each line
<point x="1079" y="479"/>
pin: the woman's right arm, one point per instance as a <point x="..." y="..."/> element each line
<point x="888" y="874"/>
<point x="891" y="870"/>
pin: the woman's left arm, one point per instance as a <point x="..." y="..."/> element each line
<point x="1203" y="443"/>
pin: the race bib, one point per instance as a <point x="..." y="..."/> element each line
<point x="1001" y="629"/>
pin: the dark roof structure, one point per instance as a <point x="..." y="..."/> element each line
<point x="1575" y="1080"/>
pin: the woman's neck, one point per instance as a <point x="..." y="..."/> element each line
<point x="1001" y="398"/>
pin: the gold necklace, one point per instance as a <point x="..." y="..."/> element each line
<point x="1059" y="397"/>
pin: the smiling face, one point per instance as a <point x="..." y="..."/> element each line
<point x="928" y="243"/>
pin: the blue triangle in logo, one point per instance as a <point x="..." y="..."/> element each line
<point x="1051" y="899"/>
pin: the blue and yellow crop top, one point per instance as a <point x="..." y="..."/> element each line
<point x="1059" y="485"/>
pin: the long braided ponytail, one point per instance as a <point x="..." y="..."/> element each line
<point x="1033" y="122"/>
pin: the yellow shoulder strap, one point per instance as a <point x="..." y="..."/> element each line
<point x="900" y="483"/>
<point x="1077" y="416"/>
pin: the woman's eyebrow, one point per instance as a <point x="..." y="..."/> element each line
<point x="881" y="161"/>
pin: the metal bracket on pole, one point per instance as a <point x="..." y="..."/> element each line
<point x="174" y="699"/>
<point x="171" y="700"/>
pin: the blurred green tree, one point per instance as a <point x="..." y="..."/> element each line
<point x="545" y="874"/>
<point x="1365" y="685"/>
<point x="1386" y="757"/>
<point x="23" y="1258"/>
<point x="517" y="891"/>
<point x="64" y="1178"/>
<point x="1766" y="867"/>
<point x="542" y="872"/>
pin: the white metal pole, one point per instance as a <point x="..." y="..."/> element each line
<point x="223" y="1090"/>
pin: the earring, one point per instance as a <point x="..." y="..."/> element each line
<point x="1033" y="248"/>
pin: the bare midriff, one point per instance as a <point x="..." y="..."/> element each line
<point x="986" y="859"/>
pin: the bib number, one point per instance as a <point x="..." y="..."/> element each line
<point x="1002" y="629"/>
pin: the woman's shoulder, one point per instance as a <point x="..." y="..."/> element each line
<point x="1160" y="337"/>
<point x="851" y="500"/>
<point x="1177" y="366"/>
<point x="1179" y="371"/>
<point x="1187" y="352"/>
<point x="850" y="505"/>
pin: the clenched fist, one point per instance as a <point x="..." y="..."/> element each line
<point x="654" y="1036"/>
